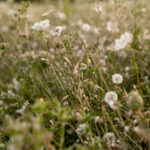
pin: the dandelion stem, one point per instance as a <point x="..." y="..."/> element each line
<point x="136" y="70"/>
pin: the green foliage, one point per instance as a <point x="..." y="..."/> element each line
<point x="136" y="42"/>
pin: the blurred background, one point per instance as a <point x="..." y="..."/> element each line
<point x="38" y="0"/>
<point x="52" y="0"/>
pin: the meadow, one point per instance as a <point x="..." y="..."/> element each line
<point x="75" y="75"/>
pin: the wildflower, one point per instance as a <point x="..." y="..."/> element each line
<point x="86" y="109"/>
<point x="126" y="128"/>
<point x="110" y="138"/>
<point x="98" y="119"/>
<point x="96" y="30"/>
<point x="58" y="30"/>
<point x="143" y="132"/>
<point x="136" y="129"/>
<point x="79" y="116"/>
<point x="4" y="28"/>
<point x="16" y="84"/>
<point x="61" y="16"/>
<point x="41" y="26"/>
<point x="127" y="68"/>
<point x="97" y="8"/>
<point x="82" y="128"/>
<point x="135" y="122"/>
<point x="21" y="110"/>
<point x="65" y="103"/>
<point x="11" y="93"/>
<point x="83" y="66"/>
<point x="70" y="131"/>
<point x="86" y="27"/>
<point x="51" y="122"/>
<point x="110" y="98"/>
<point x="11" y="12"/>
<point x="44" y="24"/>
<point x="124" y="40"/>
<point x="117" y="78"/>
<point x="135" y="101"/>
<point x="1" y="102"/>
<point x="112" y="27"/>
<point x="79" y="53"/>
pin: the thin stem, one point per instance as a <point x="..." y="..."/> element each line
<point x="62" y="136"/>
<point x="137" y="72"/>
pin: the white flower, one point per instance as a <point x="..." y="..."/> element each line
<point x="4" y="28"/>
<point x="98" y="119"/>
<point x="126" y="37"/>
<point x="58" y="30"/>
<point x="109" y="26"/>
<point x="1" y="102"/>
<point x="97" y="8"/>
<point x="117" y="78"/>
<point x="136" y="129"/>
<point x="44" y="24"/>
<point x="86" y="27"/>
<point x="96" y="30"/>
<point x="10" y="12"/>
<point x="127" y="68"/>
<point x="79" y="53"/>
<point x="21" y="110"/>
<point x="69" y="131"/>
<point x="65" y="103"/>
<point x="112" y="104"/>
<point x="110" y="98"/>
<point x="112" y="27"/>
<point x="41" y="26"/>
<point x="61" y="16"/>
<point x="79" y="116"/>
<point x="126" y="128"/>
<point x="83" y="66"/>
<point x="124" y="40"/>
<point x="16" y="84"/>
<point x="119" y="44"/>
<point x="82" y="128"/>
<point x="110" y="138"/>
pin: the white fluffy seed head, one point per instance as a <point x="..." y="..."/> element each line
<point x="124" y="40"/>
<point x="97" y="8"/>
<point x="135" y="100"/>
<point x="117" y="78"/>
<point x="81" y="129"/>
<point x="86" y="27"/>
<point x="97" y="118"/>
<point x="41" y="26"/>
<point x="110" y="98"/>
<point x="109" y="137"/>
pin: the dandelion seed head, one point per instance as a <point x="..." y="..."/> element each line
<point x="110" y="98"/>
<point x="97" y="8"/>
<point x="61" y="16"/>
<point x="124" y="40"/>
<point x="86" y="27"/>
<point x="110" y="138"/>
<point x="41" y="26"/>
<point x="117" y="78"/>
<point x="82" y="128"/>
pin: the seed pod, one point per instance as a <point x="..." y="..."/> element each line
<point x="135" y="101"/>
<point x="143" y="133"/>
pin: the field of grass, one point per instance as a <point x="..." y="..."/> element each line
<point x="75" y="76"/>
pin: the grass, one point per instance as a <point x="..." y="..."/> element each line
<point x="54" y="81"/>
